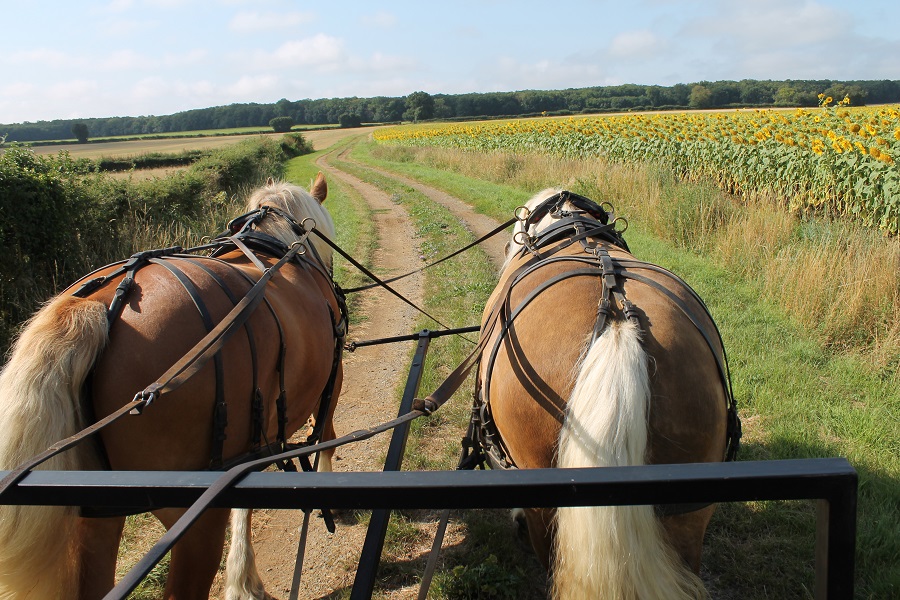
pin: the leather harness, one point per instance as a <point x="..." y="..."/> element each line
<point x="243" y="235"/>
<point x="592" y="227"/>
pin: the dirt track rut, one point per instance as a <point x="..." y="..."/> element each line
<point x="371" y="377"/>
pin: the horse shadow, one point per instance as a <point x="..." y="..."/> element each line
<point x="766" y="549"/>
<point x="488" y="556"/>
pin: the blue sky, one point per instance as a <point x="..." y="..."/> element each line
<point x="67" y="59"/>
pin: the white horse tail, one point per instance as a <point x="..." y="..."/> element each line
<point x="40" y="404"/>
<point x="242" y="580"/>
<point x="617" y="551"/>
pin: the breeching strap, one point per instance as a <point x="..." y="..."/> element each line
<point x="177" y="374"/>
<point x="206" y="348"/>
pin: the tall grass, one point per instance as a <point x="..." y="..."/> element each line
<point x="837" y="278"/>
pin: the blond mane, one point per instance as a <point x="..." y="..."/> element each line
<point x="298" y="203"/>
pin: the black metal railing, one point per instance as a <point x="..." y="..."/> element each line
<point x="831" y="481"/>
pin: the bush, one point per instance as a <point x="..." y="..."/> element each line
<point x="281" y="124"/>
<point x="294" y="144"/>
<point x="150" y="160"/>
<point x="60" y="218"/>
<point x="347" y="120"/>
<point x="46" y="226"/>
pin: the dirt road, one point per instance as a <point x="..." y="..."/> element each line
<point x="369" y="396"/>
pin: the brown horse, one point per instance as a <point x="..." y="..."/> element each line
<point x="75" y="363"/>
<point x="598" y="359"/>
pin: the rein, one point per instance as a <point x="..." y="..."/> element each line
<point x="185" y="367"/>
<point x="486" y="236"/>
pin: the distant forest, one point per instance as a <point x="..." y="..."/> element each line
<point x="423" y="106"/>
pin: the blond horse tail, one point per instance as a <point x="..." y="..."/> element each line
<point x="242" y="580"/>
<point x="617" y="551"/>
<point x="40" y="403"/>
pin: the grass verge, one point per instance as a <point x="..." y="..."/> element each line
<point x="800" y="394"/>
<point x="455" y="293"/>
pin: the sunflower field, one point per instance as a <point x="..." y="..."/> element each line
<point x="836" y="159"/>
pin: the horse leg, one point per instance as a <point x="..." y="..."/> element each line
<point x="242" y="581"/>
<point x="196" y="557"/>
<point x="540" y="531"/>
<point x="685" y="534"/>
<point x="98" y="548"/>
<point x="326" y="456"/>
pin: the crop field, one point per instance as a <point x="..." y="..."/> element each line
<point x="836" y="159"/>
<point x="172" y="145"/>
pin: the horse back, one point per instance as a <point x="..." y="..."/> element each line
<point x="164" y="315"/>
<point x="537" y="360"/>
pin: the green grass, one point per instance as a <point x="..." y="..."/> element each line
<point x="797" y="398"/>
<point x="354" y="226"/>
<point x="455" y="293"/>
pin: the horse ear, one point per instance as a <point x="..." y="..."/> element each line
<point x="319" y="188"/>
<point x="270" y="182"/>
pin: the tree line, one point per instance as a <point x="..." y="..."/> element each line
<point x="424" y="106"/>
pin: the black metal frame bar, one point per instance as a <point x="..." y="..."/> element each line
<point x="370" y="557"/>
<point x="831" y="481"/>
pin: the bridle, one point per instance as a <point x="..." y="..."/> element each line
<point x="589" y="219"/>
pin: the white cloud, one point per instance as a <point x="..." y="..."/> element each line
<point x="385" y="62"/>
<point x="320" y="51"/>
<point x="119" y="6"/>
<point x="257" y="22"/>
<point x="198" y="56"/>
<point x="125" y="60"/>
<point x="124" y="28"/>
<point x="43" y="57"/>
<point x="772" y="24"/>
<point x="636" y="45"/>
<point x="323" y="54"/>
<point x="777" y="39"/>
<point x="75" y="89"/>
<point x="150" y="88"/>
<point x="253" y="87"/>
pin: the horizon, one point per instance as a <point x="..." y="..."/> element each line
<point x="431" y="94"/>
<point x="128" y="58"/>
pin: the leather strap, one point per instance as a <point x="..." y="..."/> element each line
<point x="220" y="408"/>
<point x="486" y="236"/>
<point x="206" y="348"/>
<point x="374" y="277"/>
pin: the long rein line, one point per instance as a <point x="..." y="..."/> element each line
<point x="421" y="407"/>
<point x="175" y="376"/>
<point x="483" y="238"/>
<point x="378" y="280"/>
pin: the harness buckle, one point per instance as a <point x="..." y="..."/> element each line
<point x="144" y="396"/>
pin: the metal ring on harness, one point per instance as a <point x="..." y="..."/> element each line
<point x="623" y="220"/>
<point x="304" y="226"/>
<point x="523" y="238"/>
<point x="522" y="213"/>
